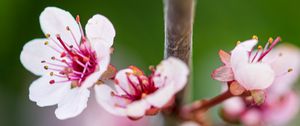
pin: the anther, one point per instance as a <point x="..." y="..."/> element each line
<point x="77" y="18"/>
<point x="68" y="28"/>
<point x="51" y="73"/>
<point x="53" y="58"/>
<point x="151" y="68"/>
<point x="270" y="40"/>
<point x="46" y="67"/>
<point x="43" y="61"/>
<point x="255" y="37"/>
<point x="238" y="42"/>
<point x="46" y="43"/>
<point x="52" y="81"/>
<point x="47" y="35"/>
<point x="290" y="69"/>
<point x="259" y="47"/>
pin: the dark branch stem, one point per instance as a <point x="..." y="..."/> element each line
<point x="179" y="16"/>
<point x="197" y="111"/>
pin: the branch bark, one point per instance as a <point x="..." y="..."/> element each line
<point x="179" y="15"/>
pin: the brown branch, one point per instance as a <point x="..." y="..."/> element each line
<point x="197" y="111"/>
<point x="179" y="16"/>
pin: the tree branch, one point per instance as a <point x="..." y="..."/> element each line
<point x="179" y="16"/>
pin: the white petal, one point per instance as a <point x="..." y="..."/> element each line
<point x="100" y="29"/>
<point x="251" y="118"/>
<point x="254" y="76"/>
<point x="104" y="98"/>
<point x="103" y="56"/>
<point x="121" y="77"/>
<point x="137" y="108"/>
<point x="289" y="59"/>
<point x="103" y="59"/>
<point x="33" y="53"/>
<point x="280" y="112"/>
<point x="161" y="96"/>
<point x="240" y="54"/>
<point x="173" y="71"/>
<point x="54" y="21"/>
<point x="46" y="94"/>
<point x="74" y="102"/>
<point x="234" y="106"/>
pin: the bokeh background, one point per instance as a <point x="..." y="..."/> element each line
<point x="139" y="41"/>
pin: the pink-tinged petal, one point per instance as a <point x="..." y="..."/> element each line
<point x="162" y="96"/>
<point x="33" y="53"/>
<point x="240" y="54"/>
<point x="122" y="81"/>
<point x="189" y="123"/>
<point x="55" y="21"/>
<point x="281" y="112"/>
<point x="73" y="103"/>
<point x="254" y="76"/>
<point x="137" y="109"/>
<point x="234" y="106"/>
<point x="172" y="71"/>
<point x="100" y="29"/>
<point x="105" y="99"/>
<point x="225" y="57"/>
<point x="251" y="118"/>
<point x="285" y="57"/>
<point x="46" y="94"/>
<point x="103" y="58"/>
<point x="223" y="74"/>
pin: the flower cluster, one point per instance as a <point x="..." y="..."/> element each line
<point x="262" y="81"/>
<point x="70" y="61"/>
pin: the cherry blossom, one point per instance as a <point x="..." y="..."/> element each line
<point x="248" y="66"/>
<point x="68" y="61"/>
<point x="281" y="104"/>
<point x="133" y="94"/>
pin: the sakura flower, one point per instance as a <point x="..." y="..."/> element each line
<point x="281" y="104"/>
<point x="134" y="94"/>
<point x="247" y="66"/>
<point x="67" y="61"/>
<point x="273" y="112"/>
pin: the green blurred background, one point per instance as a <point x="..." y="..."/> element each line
<point x="140" y="39"/>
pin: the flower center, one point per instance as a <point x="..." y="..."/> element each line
<point x="75" y="62"/>
<point x="262" y="51"/>
<point x="140" y="85"/>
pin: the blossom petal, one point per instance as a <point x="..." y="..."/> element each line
<point x="285" y="57"/>
<point x="254" y="76"/>
<point x="54" y="21"/>
<point x="161" y="97"/>
<point x="173" y="71"/>
<point x="282" y="112"/>
<point x="73" y="103"/>
<point x="105" y="99"/>
<point x="46" y="94"/>
<point x="234" y="106"/>
<point x="225" y="57"/>
<point x="100" y="29"/>
<point x="251" y="118"/>
<point x="32" y="60"/>
<point x="223" y="74"/>
<point x="122" y="81"/>
<point x="137" y="109"/>
<point x="240" y="54"/>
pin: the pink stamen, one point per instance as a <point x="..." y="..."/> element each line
<point x="270" y="48"/>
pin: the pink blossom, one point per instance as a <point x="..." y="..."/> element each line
<point x="281" y="104"/>
<point x="249" y="67"/>
<point x="134" y="94"/>
<point x="68" y="61"/>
